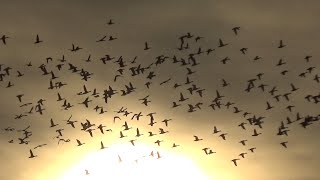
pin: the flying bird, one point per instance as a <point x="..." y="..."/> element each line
<point x="235" y="161"/>
<point x="4" y="39"/>
<point x="281" y="44"/>
<point x="38" y="40"/>
<point x="31" y="154"/>
<point x="235" y="30"/>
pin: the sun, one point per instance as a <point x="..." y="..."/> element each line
<point x="123" y="162"/>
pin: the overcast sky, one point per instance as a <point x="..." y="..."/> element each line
<point x="263" y="24"/>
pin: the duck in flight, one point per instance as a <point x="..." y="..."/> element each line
<point x="102" y="146"/>
<point x="223" y="136"/>
<point x="79" y="142"/>
<point x="52" y="124"/>
<point x="221" y="44"/>
<point x="215" y="130"/>
<point x="75" y="48"/>
<point x="235" y="161"/>
<point x="110" y="22"/>
<point x="235" y="30"/>
<point x="284" y="144"/>
<point x="146" y="46"/>
<point x="196" y="138"/>
<point x="38" y="40"/>
<point x="166" y="121"/>
<point x="31" y="154"/>
<point x="4" y="39"/>
<point x="243" y="142"/>
<point x="281" y="45"/>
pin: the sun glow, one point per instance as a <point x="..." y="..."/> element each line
<point x="136" y="163"/>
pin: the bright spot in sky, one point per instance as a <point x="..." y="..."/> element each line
<point x="105" y="164"/>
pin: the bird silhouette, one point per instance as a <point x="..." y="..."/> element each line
<point x="235" y="30"/>
<point x="284" y="144"/>
<point x="79" y="142"/>
<point x="243" y="142"/>
<point x="281" y="44"/>
<point x="235" y="161"/>
<point x="31" y="154"/>
<point x="38" y="40"/>
<point x="196" y="138"/>
<point x="221" y="44"/>
<point x="4" y="39"/>
<point x="146" y="46"/>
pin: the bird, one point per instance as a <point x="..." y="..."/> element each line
<point x="90" y="131"/>
<point x="281" y="62"/>
<point x="151" y="134"/>
<point x="307" y="58"/>
<point x="269" y="106"/>
<point x="132" y="142"/>
<point x="224" y="60"/>
<point x="52" y="124"/>
<point x="205" y="150"/>
<point x="215" y="130"/>
<point x="111" y="38"/>
<point x="242" y="125"/>
<point x="110" y="22"/>
<point x="126" y="127"/>
<point x="252" y="149"/>
<point x="293" y="88"/>
<point x="4" y="39"/>
<point x="235" y="30"/>
<point x="79" y="142"/>
<point x="166" y="121"/>
<point x="235" y="161"/>
<point x="31" y="154"/>
<point x="182" y="98"/>
<point x="289" y="107"/>
<point x="158" y="155"/>
<point x="255" y="133"/>
<point x="87" y="172"/>
<point x="158" y="142"/>
<point x="20" y="97"/>
<point x="221" y="44"/>
<point x="243" y="50"/>
<point x="75" y="48"/>
<point x="86" y="102"/>
<point x="64" y="140"/>
<point x="146" y="46"/>
<point x="317" y="78"/>
<point x="119" y="159"/>
<point x="257" y="58"/>
<point x="243" y="142"/>
<point x="281" y="45"/>
<point x="162" y="131"/>
<point x="175" y="145"/>
<point x="224" y="83"/>
<point x="38" y="40"/>
<point x="102" y="39"/>
<point x="174" y="105"/>
<point x="138" y="134"/>
<point x="196" y="138"/>
<point x="121" y="135"/>
<point x="223" y="136"/>
<point x="242" y="154"/>
<point x="284" y="144"/>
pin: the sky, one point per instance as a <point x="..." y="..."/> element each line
<point x="60" y="24"/>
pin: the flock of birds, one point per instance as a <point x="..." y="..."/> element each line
<point x="51" y="67"/>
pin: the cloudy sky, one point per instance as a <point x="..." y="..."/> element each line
<point x="60" y="24"/>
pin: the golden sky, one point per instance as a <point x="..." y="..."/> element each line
<point x="60" y="24"/>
